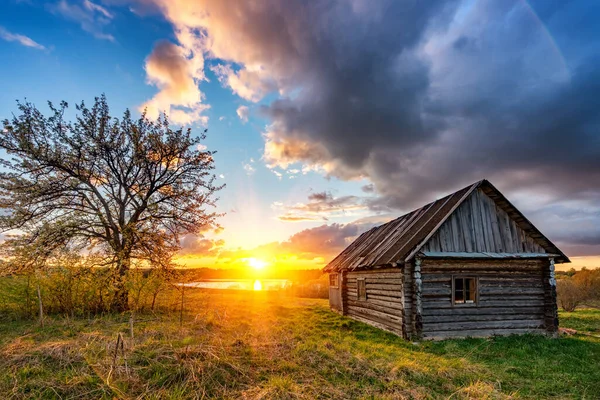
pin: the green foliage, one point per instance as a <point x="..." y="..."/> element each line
<point x="124" y="190"/>
<point x="262" y="345"/>
<point x="580" y="287"/>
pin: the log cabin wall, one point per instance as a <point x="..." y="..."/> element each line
<point x="383" y="304"/>
<point x="511" y="298"/>
<point x="479" y="225"/>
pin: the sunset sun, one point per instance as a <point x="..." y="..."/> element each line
<point x="256" y="263"/>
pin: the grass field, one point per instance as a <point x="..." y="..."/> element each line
<point x="259" y="345"/>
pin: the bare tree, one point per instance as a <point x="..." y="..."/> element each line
<point x="124" y="188"/>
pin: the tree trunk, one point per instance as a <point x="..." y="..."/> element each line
<point x="41" y="305"/>
<point x="120" y="301"/>
<point x="154" y="300"/>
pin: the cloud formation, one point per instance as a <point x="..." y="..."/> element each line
<point x="21" y="39"/>
<point x="200" y="246"/>
<point x="420" y="98"/>
<point x="312" y="247"/>
<point x="243" y="112"/>
<point x="176" y="73"/>
<point x="92" y="17"/>
<point x="322" y="206"/>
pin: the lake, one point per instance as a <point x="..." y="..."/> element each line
<point x="242" y="284"/>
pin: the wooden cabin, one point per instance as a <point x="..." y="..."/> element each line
<point x="468" y="264"/>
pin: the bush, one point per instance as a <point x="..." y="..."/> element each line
<point x="568" y="293"/>
<point x="582" y="287"/>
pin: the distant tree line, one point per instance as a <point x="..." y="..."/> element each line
<point x="578" y="288"/>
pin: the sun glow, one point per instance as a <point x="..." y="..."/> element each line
<point x="256" y="263"/>
<point x="257" y="285"/>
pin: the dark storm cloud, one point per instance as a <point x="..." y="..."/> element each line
<point x="494" y="99"/>
<point x="421" y="98"/>
<point x="490" y="103"/>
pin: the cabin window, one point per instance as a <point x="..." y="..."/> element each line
<point x="464" y="290"/>
<point x="333" y="280"/>
<point x="361" y="289"/>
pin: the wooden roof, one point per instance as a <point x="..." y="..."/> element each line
<point x="399" y="240"/>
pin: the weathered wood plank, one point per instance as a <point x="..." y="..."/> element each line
<point x="483" y="318"/>
<point x="378" y="286"/>
<point x="479" y="224"/>
<point x="387" y="281"/>
<point x="501" y="291"/>
<point x="446" y="302"/>
<point x="480" y="333"/>
<point x="459" y="311"/>
<point x="436" y="291"/>
<point x="390" y="320"/>
<point x="389" y="304"/>
<point x="510" y="283"/>
<point x="352" y="304"/>
<point x="395" y="299"/>
<point x="484" y="325"/>
<point x="388" y="293"/>
<point x="393" y="329"/>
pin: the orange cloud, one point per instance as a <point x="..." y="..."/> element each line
<point x="175" y="73"/>
<point x="309" y="248"/>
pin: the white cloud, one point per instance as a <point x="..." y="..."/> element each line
<point x="243" y="112"/>
<point x="277" y="173"/>
<point x="249" y="168"/>
<point x="21" y="39"/>
<point x="92" y="17"/>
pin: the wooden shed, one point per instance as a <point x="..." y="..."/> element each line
<point x="468" y="264"/>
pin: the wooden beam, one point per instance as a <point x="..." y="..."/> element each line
<point x="482" y="254"/>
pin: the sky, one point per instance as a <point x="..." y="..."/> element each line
<point x="330" y="117"/>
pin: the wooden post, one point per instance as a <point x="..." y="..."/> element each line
<point x="551" y="312"/>
<point x="181" y="309"/>
<point x="131" y="324"/>
<point x="418" y="317"/>
<point x="41" y="305"/>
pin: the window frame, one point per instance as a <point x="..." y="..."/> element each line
<point x="360" y="281"/>
<point x="337" y="281"/>
<point x="475" y="301"/>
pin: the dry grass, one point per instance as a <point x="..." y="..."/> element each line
<point x="259" y="345"/>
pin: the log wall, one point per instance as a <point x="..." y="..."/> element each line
<point x="512" y="298"/>
<point x="384" y="304"/>
<point x="479" y="225"/>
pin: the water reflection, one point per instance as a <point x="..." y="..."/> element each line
<point x="242" y="284"/>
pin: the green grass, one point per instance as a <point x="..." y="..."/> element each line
<point x="583" y="320"/>
<point x="265" y="346"/>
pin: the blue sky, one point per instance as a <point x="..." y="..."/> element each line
<point x="354" y="109"/>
